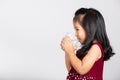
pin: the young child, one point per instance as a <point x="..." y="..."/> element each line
<point x="88" y="62"/>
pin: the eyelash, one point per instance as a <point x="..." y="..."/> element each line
<point x="76" y="29"/>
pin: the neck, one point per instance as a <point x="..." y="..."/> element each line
<point x="95" y="41"/>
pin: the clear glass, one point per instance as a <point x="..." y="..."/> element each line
<point x="74" y="40"/>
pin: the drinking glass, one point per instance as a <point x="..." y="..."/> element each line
<point x="74" y="40"/>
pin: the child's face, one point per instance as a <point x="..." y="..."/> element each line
<point x="79" y="32"/>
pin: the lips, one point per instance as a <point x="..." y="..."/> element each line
<point x="78" y="39"/>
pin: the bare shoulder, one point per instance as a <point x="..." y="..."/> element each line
<point x="92" y="56"/>
<point x="95" y="50"/>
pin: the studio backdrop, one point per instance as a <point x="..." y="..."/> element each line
<point x="31" y="31"/>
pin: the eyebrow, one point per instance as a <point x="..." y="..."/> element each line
<point x="76" y="27"/>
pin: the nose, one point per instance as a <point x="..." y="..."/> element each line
<point x="76" y="34"/>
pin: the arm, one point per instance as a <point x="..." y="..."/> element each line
<point x="67" y="62"/>
<point x="84" y="65"/>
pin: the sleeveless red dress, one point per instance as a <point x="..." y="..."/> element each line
<point x="95" y="73"/>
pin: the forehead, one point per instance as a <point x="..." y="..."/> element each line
<point x="76" y="24"/>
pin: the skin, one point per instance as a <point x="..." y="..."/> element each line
<point x="81" y="66"/>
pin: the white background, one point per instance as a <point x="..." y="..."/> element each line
<point x="31" y="31"/>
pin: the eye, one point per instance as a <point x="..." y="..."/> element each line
<point x="76" y="29"/>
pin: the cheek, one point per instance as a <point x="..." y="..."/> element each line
<point x="78" y="35"/>
<point x="81" y="36"/>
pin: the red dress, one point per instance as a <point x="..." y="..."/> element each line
<point x="95" y="73"/>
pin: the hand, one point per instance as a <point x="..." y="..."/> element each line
<point x="67" y="45"/>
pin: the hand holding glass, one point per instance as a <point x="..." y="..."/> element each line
<point x="74" y="40"/>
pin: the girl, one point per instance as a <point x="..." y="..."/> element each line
<point x="87" y="63"/>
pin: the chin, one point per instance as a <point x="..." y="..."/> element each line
<point x="80" y="41"/>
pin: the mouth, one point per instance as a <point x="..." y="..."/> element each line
<point x="78" y="39"/>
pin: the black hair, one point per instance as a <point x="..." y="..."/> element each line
<point x="94" y="25"/>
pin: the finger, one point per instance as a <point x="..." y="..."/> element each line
<point x="62" y="47"/>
